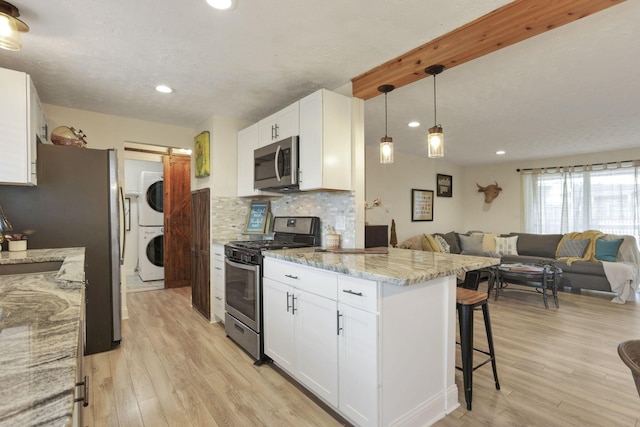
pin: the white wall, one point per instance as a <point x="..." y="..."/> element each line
<point x="393" y="183"/>
<point x="504" y="214"/>
<point x="223" y="151"/>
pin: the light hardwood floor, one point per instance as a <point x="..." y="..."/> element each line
<point x="557" y="367"/>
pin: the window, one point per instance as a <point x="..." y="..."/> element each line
<point x="602" y="197"/>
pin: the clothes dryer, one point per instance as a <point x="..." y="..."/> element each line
<point x="151" y="253"/>
<point x="151" y="199"/>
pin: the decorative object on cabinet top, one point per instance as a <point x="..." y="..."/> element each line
<point x="65" y="135"/>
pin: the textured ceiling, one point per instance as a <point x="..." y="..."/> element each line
<point x="573" y="89"/>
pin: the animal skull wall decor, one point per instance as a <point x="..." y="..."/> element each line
<point x="490" y="191"/>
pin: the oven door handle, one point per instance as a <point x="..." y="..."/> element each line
<point x="249" y="267"/>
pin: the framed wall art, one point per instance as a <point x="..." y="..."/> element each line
<point x="444" y="184"/>
<point x="421" y="205"/>
<point x="201" y="150"/>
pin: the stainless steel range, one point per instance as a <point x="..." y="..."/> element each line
<point x="243" y="278"/>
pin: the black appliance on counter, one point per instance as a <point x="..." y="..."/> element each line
<point x="76" y="203"/>
<point x="243" y="279"/>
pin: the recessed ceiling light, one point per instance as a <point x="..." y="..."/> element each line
<point x="223" y="4"/>
<point x="164" y="89"/>
<point x="500" y="152"/>
<point x="414" y="124"/>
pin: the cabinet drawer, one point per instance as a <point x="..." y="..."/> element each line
<point x="313" y="280"/>
<point x="359" y="293"/>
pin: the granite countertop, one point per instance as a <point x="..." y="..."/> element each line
<point x="400" y="267"/>
<point x="39" y="326"/>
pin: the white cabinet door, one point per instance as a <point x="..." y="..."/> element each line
<point x="280" y="125"/>
<point x="325" y="141"/>
<point x="358" y="362"/>
<point x="247" y="143"/>
<point x="316" y="344"/>
<point x="217" y="283"/>
<point x="15" y="161"/>
<point x="278" y="323"/>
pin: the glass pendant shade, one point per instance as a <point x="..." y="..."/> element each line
<point x="386" y="142"/>
<point x="10" y="27"/>
<point x="436" y="142"/>
<point x="386" y="150"/>
<point x="9" y="35"/>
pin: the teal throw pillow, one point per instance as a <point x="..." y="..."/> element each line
<point x="607" y="250"/>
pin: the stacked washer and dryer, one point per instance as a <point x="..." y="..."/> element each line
<point x="151" y="226"/>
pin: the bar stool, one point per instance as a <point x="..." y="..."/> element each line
<point x="466" y="301"/>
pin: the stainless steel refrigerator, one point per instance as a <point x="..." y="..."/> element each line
<point x="77" y="203"/>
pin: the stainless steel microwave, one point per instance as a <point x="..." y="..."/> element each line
<point x="276" y="166"/>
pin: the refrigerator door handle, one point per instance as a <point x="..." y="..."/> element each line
<point x="123" y="230"/>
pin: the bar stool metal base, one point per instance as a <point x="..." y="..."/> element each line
<point x="466" y="301"/>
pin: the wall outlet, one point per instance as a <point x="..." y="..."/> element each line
<point x="341" y="223"/>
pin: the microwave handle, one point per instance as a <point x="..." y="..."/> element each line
<point x="276" y="163"/>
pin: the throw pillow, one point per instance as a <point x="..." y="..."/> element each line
<point x="471" y="244"/>
<point x="507" y="245"/>
<point x="414" y="243"/>
<point x="452" y="239"/>
<point x="444" y="246"/>
<point x="573" y="248"/>
<point x="429" y="244"/>
<point x="489" y="242"/>
<point x="607" y="250"/>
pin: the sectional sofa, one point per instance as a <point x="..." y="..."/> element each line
<point x="589" y="260"/>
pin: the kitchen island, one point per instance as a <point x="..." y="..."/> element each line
<point x="40" y="324"/>
<point x="373" y="336"/>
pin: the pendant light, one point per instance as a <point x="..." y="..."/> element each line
<point x="10" y="27"/>
<point x="386" y="142"/>
<point x="435" y="140"/>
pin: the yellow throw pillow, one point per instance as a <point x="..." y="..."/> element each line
<point x="430" y="244"/>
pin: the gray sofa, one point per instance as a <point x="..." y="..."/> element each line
<point x="535" y="248"/>
<point x="541" y="248"/>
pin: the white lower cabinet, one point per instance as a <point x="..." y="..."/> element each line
<point x="329" y="346"/>
<point x="217" y="283"/>
<point x="300" y="336"/>
<point x="358" y="365"/>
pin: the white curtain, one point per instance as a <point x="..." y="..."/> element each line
<point x="578" y="198"/>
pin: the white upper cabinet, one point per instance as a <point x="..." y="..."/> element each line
<point x="325" y="141"/>
<point x="22" y="123"/>
<point x="247" y="142"/>
<point x="281" y="125"/>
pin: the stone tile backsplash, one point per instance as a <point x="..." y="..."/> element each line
<point x="229" y="213"/>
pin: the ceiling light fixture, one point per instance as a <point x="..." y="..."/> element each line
<point x="223" y="4"/>
<point x="11" y="27"/>
<point x="386" y="142"/>
<point x="414" y="124"/>
<point x="436" y="137"/>
<point x="501" y="152"/>
<point x="164" y="89"/>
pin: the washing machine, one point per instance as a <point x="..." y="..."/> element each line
<point x="151" y="253"/>
<point x="151" y="199"/>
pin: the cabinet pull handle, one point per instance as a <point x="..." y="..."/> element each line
<point x="291" y="277"/>
<point x="277" y="129"/>
<point x="217" y="268"/>
<point x="288" y="305"/>
<point x="349" y="291"/>
<point x="85" y="397"/>
<point x="219" y="299"/>
<point x="338" y="316"/>
<point x="273" y="132"/>
<point x="293" y="304"/>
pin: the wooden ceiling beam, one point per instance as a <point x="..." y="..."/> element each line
<point x="510" y="24"/>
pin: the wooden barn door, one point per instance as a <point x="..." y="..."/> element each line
<point x="177" y="221"/>
<point x="200" y="252"/>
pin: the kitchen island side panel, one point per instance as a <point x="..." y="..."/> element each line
<point x="417" y="352"/>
